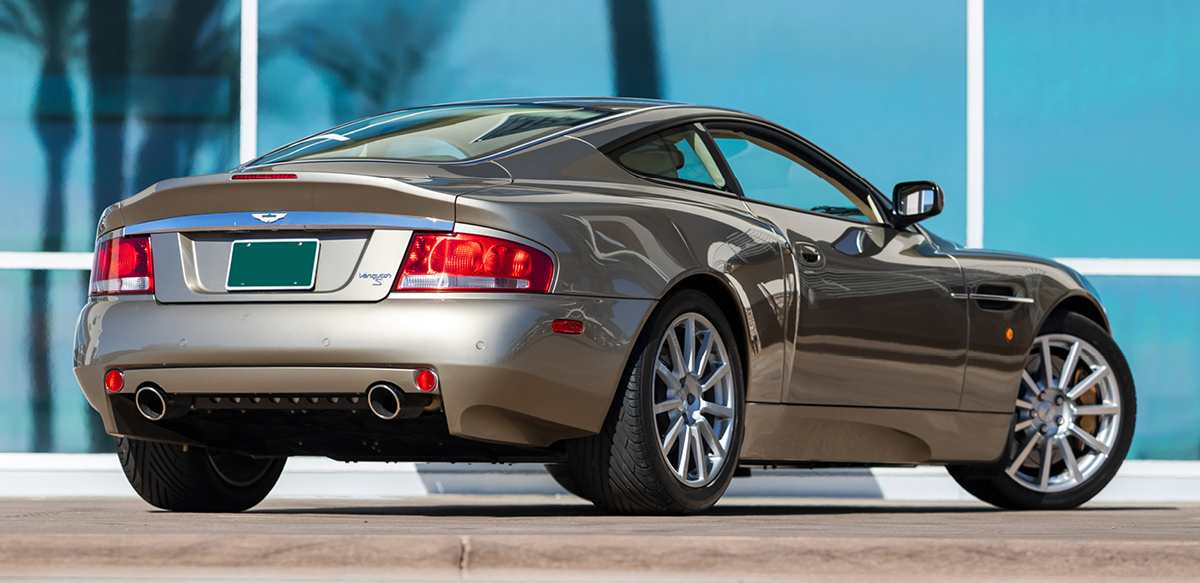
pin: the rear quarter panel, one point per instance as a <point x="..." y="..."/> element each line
<point x="618" y="236"/>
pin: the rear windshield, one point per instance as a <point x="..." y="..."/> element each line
<point x="440" y="134"/>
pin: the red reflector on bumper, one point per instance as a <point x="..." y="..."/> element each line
<point x="427" y="380"/>
<point x="114" y="380"/>
<point x="567" y="326"/>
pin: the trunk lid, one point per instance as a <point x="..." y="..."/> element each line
<point x="352" y="229"/>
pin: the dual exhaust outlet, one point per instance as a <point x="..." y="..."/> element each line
<point x="388" y="402"/>
<point x="385" y="400"/>
<point x="155" y="405"/>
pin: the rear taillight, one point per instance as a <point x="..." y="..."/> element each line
<point x="447" y="262"/>
<point x="123" y="265"/>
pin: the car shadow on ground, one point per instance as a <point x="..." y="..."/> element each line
<point x="526" y="510"/>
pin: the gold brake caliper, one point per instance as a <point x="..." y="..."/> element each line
<point x="1089" y="423"/>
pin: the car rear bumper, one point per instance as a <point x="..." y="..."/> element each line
<point x="504" y="375"/>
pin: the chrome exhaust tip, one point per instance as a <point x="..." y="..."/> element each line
<point x="154" y="405"/>
<point x="385" y="401"/>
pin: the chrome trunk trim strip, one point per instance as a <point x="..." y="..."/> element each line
<point x="290" y="220"/>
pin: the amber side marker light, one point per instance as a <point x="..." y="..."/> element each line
<point x="114" y="380"/>
<point x="427" y="380"/>
<point x="567" y="326"/>
<point x="1008" y="335"/>
<point x="263" y="177"/>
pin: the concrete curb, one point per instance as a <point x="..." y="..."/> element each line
<point x="25" y="475"/>
<point x="807" y="556"/>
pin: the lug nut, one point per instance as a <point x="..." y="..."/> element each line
<point x="1059" y="400"/>
<point x="1042" y="396"/>
<point x="1042" y="429"/>
<point x="1059" y="420"/>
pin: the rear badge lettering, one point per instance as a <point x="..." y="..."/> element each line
<point x="379" y="278"/>
<point x="268" y="217"/>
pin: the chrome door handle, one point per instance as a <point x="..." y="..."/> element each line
<point x="809" y="255"/>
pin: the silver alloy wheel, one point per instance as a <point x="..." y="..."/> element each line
<point x="694" y="399"/>
<point x="1068" y="414"/>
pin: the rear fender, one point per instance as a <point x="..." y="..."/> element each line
<point x="627" y="238"/>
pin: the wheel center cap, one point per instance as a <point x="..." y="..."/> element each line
<point x="1045" y="412"/>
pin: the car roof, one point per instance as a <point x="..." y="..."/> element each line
<point x="610" y="103"/>
<point x="618" y="107"/>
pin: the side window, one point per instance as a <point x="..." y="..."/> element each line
<point x="768" y="173"/>
<point x="676" y="154"/>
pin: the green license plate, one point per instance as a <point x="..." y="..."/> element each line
<point x="279" y="264"/>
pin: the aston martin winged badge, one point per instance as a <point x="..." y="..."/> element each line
<point x="268" y="217"/>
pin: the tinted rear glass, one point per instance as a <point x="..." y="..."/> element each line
<point x="440" y="134"/>
<point x="678" y="154"/>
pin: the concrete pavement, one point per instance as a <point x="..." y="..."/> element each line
<point x="99" y="476"/>
<point x="441" y="537"/>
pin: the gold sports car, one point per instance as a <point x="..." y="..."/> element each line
<point x="648" y="297"/>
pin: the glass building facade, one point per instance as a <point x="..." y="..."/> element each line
<point x="1090" y="129"/>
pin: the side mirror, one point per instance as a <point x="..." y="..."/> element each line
<point x="914" y="202"/>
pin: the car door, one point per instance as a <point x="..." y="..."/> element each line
<point x="877" y="325"/>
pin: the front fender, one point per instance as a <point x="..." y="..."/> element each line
<point x="995" y="362"/>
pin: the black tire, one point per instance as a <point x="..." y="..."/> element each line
<point x="622" y="469"/>
<point x="195" y="479"/>
<point x="565" y="476"/>
<point x="991" y="484"/>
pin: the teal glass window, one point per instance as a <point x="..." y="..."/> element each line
<point x="768" y="173"/>
<point x="678" y="154"/>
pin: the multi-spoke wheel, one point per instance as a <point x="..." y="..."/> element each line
<point x="694" y="399"/>
<point x="1073" y="421"/>
<point x="1068" y="415"/>
<point x="670" y="443"/>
